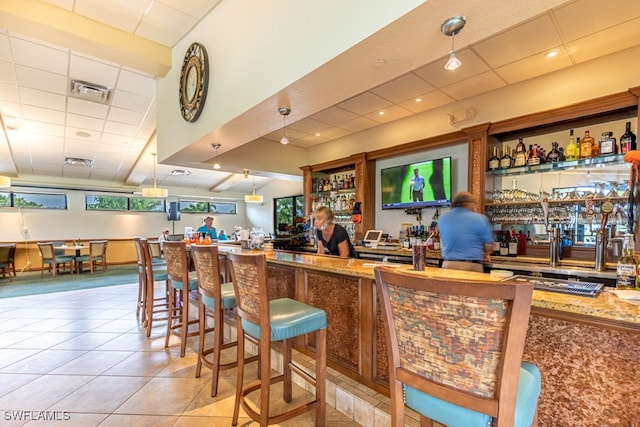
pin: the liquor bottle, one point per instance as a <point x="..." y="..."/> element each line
<point x="586" y="146"/>
<point x="496" y="243"/>
<point x="528" y="236"/>
<point x="608" y="144"/>
<point x="578" y="145"/>
<point x="520" y="156"/>
<point x="595" y="148"/>
<point x="513" y="245"/>
<point x="532" y="156"/>
<point x="506" y="161"/>
<point x="504" y="244"/>
<point x="571" y="152"/>
<point x="627" y="140"/>
<point x="494" y="161"/>
<point x="436" y="240"/>
<point x="406" y="242"/>
<point x="562" y="155"/>
<point x="554" y="154"/>
<point x="627" y="269"/>
<point x="522" y="244"/>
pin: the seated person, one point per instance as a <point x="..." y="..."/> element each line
<point x="207" y="227"/>
<point x="222" y="235"/>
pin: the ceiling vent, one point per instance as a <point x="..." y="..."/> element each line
<point x="180" y="172"/>
<point x="90" y="91"/>
<point x="74" y="161"/>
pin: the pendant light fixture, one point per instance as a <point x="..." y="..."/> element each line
<point x="5" y="181"/>
<point x="216" y="165"/>
<point x="451" y="27"/>
<point x="284" y="112"/>
<point x="154" y="191"/>
<point x="253" y="197"/>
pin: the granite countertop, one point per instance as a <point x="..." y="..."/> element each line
<point x="606" y="305"/>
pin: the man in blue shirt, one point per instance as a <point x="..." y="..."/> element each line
<point x="466" y="236"/>
<point x="416" y="186"/>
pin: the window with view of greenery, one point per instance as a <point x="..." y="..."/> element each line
<point x="194" y="207"/>
<point x="223" y="208"/>
<point x="40" y="201"/>
<point x="5" y="200"/>
<point x="146" y="204"/>
<point x="287" y="213"/>
<point x="106" y="203"/>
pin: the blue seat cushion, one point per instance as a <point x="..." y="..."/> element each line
<point x="289" y="318"/>
<point x="193" y="282"/>
<point x="61" y="259"/>
<point x="452" y="415"/>
<point x="228" y="297"/>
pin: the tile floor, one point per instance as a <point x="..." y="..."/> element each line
<point x="80" y="358"/>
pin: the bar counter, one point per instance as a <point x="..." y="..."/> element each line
<point x="586" y="348"/>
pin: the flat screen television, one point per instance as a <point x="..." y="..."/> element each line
<point x="432" y="176"/>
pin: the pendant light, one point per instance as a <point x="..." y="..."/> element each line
<point x="216" y="165"/>
<point x="154" y="191"/>
<point x="253" y="197"/>
<point x="5" y="181"/>
<point x="451" y="27"/>
<point x="284" y="112"/>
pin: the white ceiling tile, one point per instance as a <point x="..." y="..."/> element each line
<point x="117" y="141"/>
<point x="531" y="67"/>
<point x="7" y="75"/>
<point x="40" y="79"/>
<point x="43" y="114"/>
<point x="333" y="133"/>
<point x="38" y="56"/>
<point x="606" y="42"/>
<point x="92" y="71"/>
<point x="125" y="116"/>
<point x="42" y="99"/>
<point x="89" y="124"/>
<point x="9" y="92"/>
<point x="73" y="146"/>
<point x="120" y="129"/>
<point x="364" y="103"/>
<point x="131" y="101"/>
<point x="391" y="114"/>
<point x="334" y="116"/>
<point x="403" y="88"/>
<point x="161" y="35"/>
<point x="5" y="48"/>
<point x="308" y="126"/>
<point x="536" y="36"/>
<point x="66" y="4"/>
<point x="195" y="8"/>
<point x="38" y="129"/>
<point x="474" y="86"/>
<point x="76" y="172"/>
<point x="87" y="108"/>
<point x="123" y="14"/>
<point x="358" y="124"/>
<point x="10" y="109"/>
<point x="428" y="101"/>
<point x="578" y="19"/>
<point x="137" y="83"/>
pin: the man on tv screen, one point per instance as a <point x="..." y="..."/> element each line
<point x="416" y="186"/>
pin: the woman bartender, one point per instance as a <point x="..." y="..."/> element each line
<point x="333" y="239"/>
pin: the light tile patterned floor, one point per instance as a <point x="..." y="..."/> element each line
<point x="80" y="358"/>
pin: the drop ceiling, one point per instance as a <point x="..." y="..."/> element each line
<point x="44" y="122"/>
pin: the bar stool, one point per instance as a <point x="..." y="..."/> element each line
<point x="216" y="298"/>
<point x="152" y="306"/>
<point x="455" y="350"/>
<point x="181" y="282"/>
<point x="282" y="319"/>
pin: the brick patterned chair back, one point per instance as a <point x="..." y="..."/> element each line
<point x="456" y="341"/>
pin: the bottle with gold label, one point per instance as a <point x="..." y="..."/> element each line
<point x="494" y="160"/>
<point x="520" y="156"/>
<point x="571" y="152"/>
<point x="586" y="146"/>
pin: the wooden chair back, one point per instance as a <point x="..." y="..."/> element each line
<point x="459" y="341"/>
<point x="46" y="251"/>
<point x="175" y="253"/>
<point x="249" y="276"/>
<point x="207" y="265"/>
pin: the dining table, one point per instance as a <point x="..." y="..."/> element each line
<point x="78" y="249"/>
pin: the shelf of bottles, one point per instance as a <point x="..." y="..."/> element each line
<point x="335" y="190"/>
<point x="580" y="152"/>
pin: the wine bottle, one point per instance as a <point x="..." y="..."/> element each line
<point x="586" y="146"/>
<point x="532" y="156"/>
<point x="494" y="161"/>
<point x="513" y="245"/>
<point x="627" y="140"/>
<point x="504" y="244"/>
<point x="496" y="243"/>
<point x="571" y="152"/>
<point x="608" y="144"/>
<point x="520" y="156"/>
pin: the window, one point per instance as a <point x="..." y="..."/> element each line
<point x="39" y="200"/>
<point x="5" y="200"/>
<point x="288" y="212"/>
<point x="223" y="208"/>
<point x="194" y="207"/>
<point x="106" y="203"/>
<point x="146" y="204"/>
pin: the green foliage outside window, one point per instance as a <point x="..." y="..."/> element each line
<point x="106" y="203"/>
<point x="197" y="207"/>
<point x="5" y="200"/>
<point x="146" y="204"/>
<point x="40" y="201"/>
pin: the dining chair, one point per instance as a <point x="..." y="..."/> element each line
<point x="216" y="299"/>
<point x="7" y="263"/>
<point x="151" y="304"/>
<point x="183" y="282"/>
<point x="48" y="255"/>
<point x="156" y="252"/>
<point x="97" y="256"/>
<point x="269" y="321"/>
<point x="455" y="350"/>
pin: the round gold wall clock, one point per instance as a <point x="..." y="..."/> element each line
<point x="194" y="79"/>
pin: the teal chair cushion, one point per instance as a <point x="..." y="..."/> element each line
<point x="290" y="318"/>
<point x="193" y="282"/>
<point x="60" y="259"/>
<point x="455" y="416"/>
<point x="84" y="258"/>
<point x="228" y="297"/>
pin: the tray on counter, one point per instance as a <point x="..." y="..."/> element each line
<point x="572" y="287"/>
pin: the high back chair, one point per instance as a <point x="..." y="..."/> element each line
<point x="269" y="321"/>
<point x="455" y="350"/>
<point x="97" y="256"/>
<point x="54" y="261"/>
<point x="7" y="264"/>
<point x="156" y="252"/>
<point x="182" y="281"/>
<point x="149" y="274"/>
<point x="216" y="298"/>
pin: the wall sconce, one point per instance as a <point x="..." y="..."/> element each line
<point x="216" y="165"/>
<point x="284" y="112"/>
<point x="451" y="27"/>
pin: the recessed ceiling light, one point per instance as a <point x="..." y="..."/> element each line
<point x="552" y="53"/>
<point x="381" y="113"/>
<point x="83" y="134"/>
<point x="318" y="134"/>
<point x="418" y="99"/>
